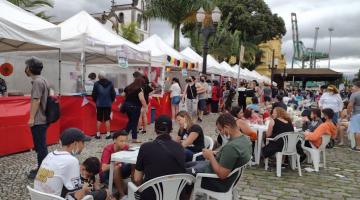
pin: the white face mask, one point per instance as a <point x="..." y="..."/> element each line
<point x="75" y="153"/>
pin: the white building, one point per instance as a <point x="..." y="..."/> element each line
<point x="126" y="12"/>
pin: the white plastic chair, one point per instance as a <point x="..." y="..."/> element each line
<point x="229" y="195"/>
<point x="315" y="152"/>
<point x="289" y="149"/>
<point x="167" y="187"/>
<point x="37" y="195"/>
<point x="209" y="144"/>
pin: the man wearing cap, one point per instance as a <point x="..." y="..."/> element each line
<point x="161" y="157"/>
<point x="59" y="173"/>
<point x="37" y="120"/>
<point x="104" y="95"/>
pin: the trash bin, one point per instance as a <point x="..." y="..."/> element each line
<point x="153" y="112"/>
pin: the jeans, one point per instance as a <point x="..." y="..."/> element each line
<point x="191" y="105"/>
<point x="133" y="113"/>
<point x="188" y="155"/>
<point x="214" y="106"/>
<point x="39" y="139"/>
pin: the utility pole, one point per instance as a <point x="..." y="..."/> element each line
<point x="313" y="55"/>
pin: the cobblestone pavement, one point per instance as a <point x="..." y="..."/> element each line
<point x="255" y="184"/>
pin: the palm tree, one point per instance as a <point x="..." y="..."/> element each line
<point x="129" y="32"/>
<point x="31" y="5"/>
<point x="176" y="12"/>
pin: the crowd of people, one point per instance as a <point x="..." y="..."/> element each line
<point x="323" y="112"/>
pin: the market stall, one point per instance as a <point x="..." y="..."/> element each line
<point x="21" y="31"/>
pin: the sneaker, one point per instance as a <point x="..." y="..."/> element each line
<point x="32" y="174"/>
<point x="355" y="149"/>
<point x="97" y="137"/>
<point x="108" y="137"/>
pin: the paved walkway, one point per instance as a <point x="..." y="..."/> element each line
<point x="341" y="180"/>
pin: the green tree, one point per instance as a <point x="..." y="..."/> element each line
<point x="32" y="5"/>
<point x="253" y="18"/>
<point x="176" y="12"/>
<point x="129" y="32"/>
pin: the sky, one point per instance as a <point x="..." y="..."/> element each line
<point x="342" y="15"/>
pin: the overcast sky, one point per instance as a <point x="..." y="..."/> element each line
<point x="342" y="15"/>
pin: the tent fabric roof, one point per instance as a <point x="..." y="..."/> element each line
<point x="23" y="31"/>
<point x="160" y="50"/>
<point x="213" y="67"/>
<point x="229" y="71"/>
<point x="82" y="33"/>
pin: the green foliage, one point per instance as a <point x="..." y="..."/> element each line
<point x="253" y="18"/>
<point x="31" y="5"/>
<point x="129" y="32"/>
<point x="176" y="12"/>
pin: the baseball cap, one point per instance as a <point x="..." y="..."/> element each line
<point x="72" y="135"/>
<point x="163" y="124"/>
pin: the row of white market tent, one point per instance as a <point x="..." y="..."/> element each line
<point x="83" y="39"/>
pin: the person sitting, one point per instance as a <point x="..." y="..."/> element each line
<point x="121" y="170"/>
<point x="237" y="152"/>
<point x="293" y="102"/>
<point x="190" y="135"/>
<point x="314" y="120"/>
<point x="280" y="123"/>
<point x="251" y="117"/>
<point x="254" y="104"/>
<point x="243" y="125"/>
<point x="326" y="128"/>
<point x="279" y="103"/>
<point x="160" y="157"/>
<point x="88" y="170"/>
<point x="59" y="173"/>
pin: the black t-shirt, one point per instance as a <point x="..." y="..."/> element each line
<point x="198" y="143"/>
<point x="155" y="161"/>
<point x="250" y="92"/>
<point x="191" y="92"/>
<point x="133" y="97"/>
<point x="147" y="90"/>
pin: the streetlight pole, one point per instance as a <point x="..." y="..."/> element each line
<point x="330" y="31"/>
<point x="274" y="63"/>
<point x="207" y="31"/>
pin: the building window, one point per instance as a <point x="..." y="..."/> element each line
<point x="139" y="19"/>
<point x="121" y="18"/>
<point x="142" y="5"/>
<point x="141" y="37"/>
<point x="145" y="24"/>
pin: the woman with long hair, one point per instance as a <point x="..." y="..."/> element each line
<point x="280" y="123"/>
<point x="190" y="135"/>
<point x="175" y="96"/>
<point x="134" y="101"/>
<point x="147" y="89"/>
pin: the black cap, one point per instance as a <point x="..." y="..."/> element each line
<point x="163" y="124"/>
<point x="72" y="135"/>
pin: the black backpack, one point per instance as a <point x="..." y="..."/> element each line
<point x="52" y="111"/>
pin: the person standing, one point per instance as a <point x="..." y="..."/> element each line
<point x="190" y="96"/>
<point x="202" y="91"/>
<point x="242" y="96"/>
<point x="89" y="84"/>
<point x="209" y="94"/>
<point x="332" y="99"/>
<point x="37" y="121"/>
<point x="175" y="96"/>
<point x="353" y="111"/>
<point x="134" y="101"/>
<point x="3" y="87"/>
<point x="143" y="115"/>
<point x="103" y="95"/>
<point x="267" y="92"/>
<point x="216" y="94"/>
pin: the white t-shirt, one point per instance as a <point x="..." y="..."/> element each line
<point x="209" y="91"/>
<point x="332" y="101"/>
<point x="175" y="90"/>
<point x="59" y="169"/>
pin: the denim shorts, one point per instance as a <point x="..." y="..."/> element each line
<point x="202" y="104"/>
<point x="175" y="100"/>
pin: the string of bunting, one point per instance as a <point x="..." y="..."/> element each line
<point x="181" y="63"/>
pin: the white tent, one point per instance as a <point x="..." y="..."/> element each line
<point x="23" y="31"/>
<point x="160" y="51"/>
<point x="81" y="35"/>
<point x="212" y="66"/>
<point x="228" y="70"/>
<point x="243" y="73"/>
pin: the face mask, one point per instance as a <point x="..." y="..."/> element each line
<point x="75" y="153"/>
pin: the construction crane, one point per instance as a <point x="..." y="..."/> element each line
<point x="301" y="53"/>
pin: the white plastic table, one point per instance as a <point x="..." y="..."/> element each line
<point x="260" y="129"/>
<point x="122" y="156"/>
